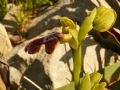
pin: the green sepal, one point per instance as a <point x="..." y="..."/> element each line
<point x="66" y="38"/>
<point x="69" y="27"/>
<point x="74" y="41"/>
<point x="66" y="22"/>
<point x="86" y="25"/>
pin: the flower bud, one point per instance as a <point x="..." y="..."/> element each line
<point x="100" y="86"/>
<point x="105" y="18"/>
<point x="95" y="78"/>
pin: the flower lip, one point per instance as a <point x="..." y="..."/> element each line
<point x="34" y="46"/>
<point x="49" y="41"/>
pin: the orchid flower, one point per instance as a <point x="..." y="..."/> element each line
<point x="69" y="34"/>
<point x="101" y="19"/>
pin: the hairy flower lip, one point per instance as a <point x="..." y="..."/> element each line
<point x="49" y="41"/>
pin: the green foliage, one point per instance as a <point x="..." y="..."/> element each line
<point x="95" y="78"/>
<point x="88" y="82"/>
<point x="3" y="8"/>
<point x="93" y="20"/>
<point x="22" y="19"/>
<point x="34" y="4"/>
<point x="112" y="73"/>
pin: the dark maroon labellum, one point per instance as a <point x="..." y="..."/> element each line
<point x="50" y="42"/>
<point x="34" y="46"/>
<point x="50" y="45"/>
<point x="115" y="34"/>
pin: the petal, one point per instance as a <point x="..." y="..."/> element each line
<point x="74" y="41"/>
<point x="50" y="41"/>
<point x="34" y="46"/>
<point x="66" y="22"/>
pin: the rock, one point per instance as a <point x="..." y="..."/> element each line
<point x="5" y="44"/>
<point x="96" y="57"/>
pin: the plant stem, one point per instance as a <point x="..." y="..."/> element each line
<point x="77" y="59"/>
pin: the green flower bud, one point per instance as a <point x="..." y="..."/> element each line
<point x="95" y="78"/>
<point x="105" y="18"/>
<point x="100" y="86"/>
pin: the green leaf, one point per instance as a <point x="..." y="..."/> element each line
<point x="86" y="25"/>
<point x="112" y="73"/>
<point x="70" y="86"/>
<point x="85" y="83"/>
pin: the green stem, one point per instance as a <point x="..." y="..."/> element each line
<point x="77" y="58"/>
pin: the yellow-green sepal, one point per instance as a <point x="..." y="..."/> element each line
<point x="86" y="25"/>
<point x="105" y="18"/>
<point x="66" y="38"/>
<point x="66" y="22"/>
<point x="74" y="41"/>
<point x="69" y="28"/>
